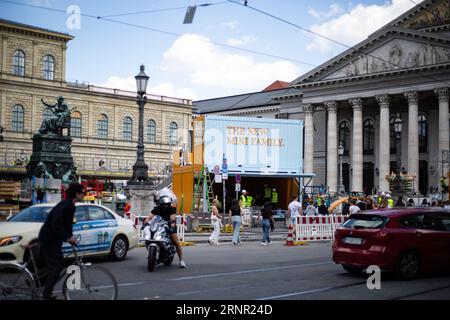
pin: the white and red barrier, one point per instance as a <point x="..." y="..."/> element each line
<point x="181" y="227"/>
<point x="316" y="228"/>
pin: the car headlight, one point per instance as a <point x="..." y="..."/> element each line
<point x="7" y="241"/>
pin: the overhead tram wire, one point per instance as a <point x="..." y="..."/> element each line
<point x="173" y="34"/>
<point x="327" y="38"/>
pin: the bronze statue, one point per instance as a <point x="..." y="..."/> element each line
<point x="58" y="120"/>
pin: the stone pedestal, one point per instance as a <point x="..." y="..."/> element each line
<point x="52" y="158"/>
<point x="141" y="198"/>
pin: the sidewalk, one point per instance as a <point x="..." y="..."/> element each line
<point x="246" y="236"/>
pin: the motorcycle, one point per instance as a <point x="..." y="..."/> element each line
<point x="160" y="248"/>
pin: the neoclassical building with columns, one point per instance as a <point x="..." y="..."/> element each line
<point x="403" y="68"/>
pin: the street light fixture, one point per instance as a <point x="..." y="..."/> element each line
<point x="140" y="168"/>
<point x="398" y="123"/>
<point x="341" y="151"/>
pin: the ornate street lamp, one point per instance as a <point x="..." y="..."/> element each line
<point x="398" y="137"/>
<point x="140" y="168"/>
<point x="341" y="151"/>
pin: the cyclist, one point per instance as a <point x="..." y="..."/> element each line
<point x="165" y="210"/>
<point x="56" y="230"/>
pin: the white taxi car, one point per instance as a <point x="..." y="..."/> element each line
<point x="100" y="232"/>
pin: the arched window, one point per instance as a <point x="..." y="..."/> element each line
<point x="48" y="67"/>
<point x="75" y="124"/>
<point x="19" y="63"/>
<point x="17" y="124"/>
<point x="423" y="133"/>
<point x="47" y="113"/>
<point x="151" y="132"/>
<point x="173" y="133"/>
<point x="128" y="129"/>
<point x="344" y="136"/>
<point x="102" y="127"/>
<point x="392" y="136"/>
<point x="368" y="137"/>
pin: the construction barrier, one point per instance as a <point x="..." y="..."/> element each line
<point x="181" y="227"/>
<point x="316" y="228"/>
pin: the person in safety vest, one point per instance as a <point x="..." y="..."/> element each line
<point x="274" y="199"/>
<point x="243" y="200"/>
<point x="444" y="185"/>
<point x="390" y="201"/>
<point x="319" y="201"/>
<point x="249" y="200"/>
<point x="380" y="198"/>
<point x="267" y="193"/>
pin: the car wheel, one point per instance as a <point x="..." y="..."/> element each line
<point x="119" y="249"/>
<point x="352" y="269"/>
<point x="408" y="265"/>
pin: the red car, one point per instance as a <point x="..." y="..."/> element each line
<point x="406" y="241"/>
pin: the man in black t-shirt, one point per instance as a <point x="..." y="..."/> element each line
<point x="168" y="213"/>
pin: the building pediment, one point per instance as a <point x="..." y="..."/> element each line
<point x="393" y="49"/>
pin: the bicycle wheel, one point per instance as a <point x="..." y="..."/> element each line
<point x="96" y="283"/>
<point x="16" y="283"/>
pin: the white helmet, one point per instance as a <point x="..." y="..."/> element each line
<point x="166" y="192"/>
<point x="388" y="195"/>
<point x="383" y="194"/>
<point x="244" y="191"/>
<point x="274" y="190"/>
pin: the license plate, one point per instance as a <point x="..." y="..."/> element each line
<point x="352" y="240"/>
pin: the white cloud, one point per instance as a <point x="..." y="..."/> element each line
<point x="230" y="24"/>
<point x="334" y="10"/>
<point x="163" y="89"/>
<point x="204" y="64"/>
<point x="244" y="40"/>
<point x="354" y="26"/>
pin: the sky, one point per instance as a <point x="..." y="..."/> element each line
<point x="214" y="56"/>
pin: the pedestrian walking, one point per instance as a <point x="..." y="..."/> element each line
<point x="266" y="213"/>
<point x="235" y="216"/>
<point x="216" y="221"/>
<point x="294" y="210"/>
<point x="354" y="208"/>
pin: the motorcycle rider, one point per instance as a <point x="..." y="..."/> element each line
<point x="165" y="210"/>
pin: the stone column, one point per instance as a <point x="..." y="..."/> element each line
<point x="442" y="94"/>
<point x="384" y="146"/>
<point x="309" y="139"/>
<point x="413" y="135"/>
<point x="357" y="142"/>
<point x="332" y="146"/>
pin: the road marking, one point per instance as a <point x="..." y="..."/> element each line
<point x="250" y="271"/>
<point x="420" y="293"/>
<point x="311" y="291"/>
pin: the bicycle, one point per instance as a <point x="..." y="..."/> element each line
<point x="84" y="282"/>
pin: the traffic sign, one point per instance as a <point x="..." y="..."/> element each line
<point x="225" y="176"/>
<point x="238" y="187"/>
<point x="238" y="178"/>
<point x="218" y="178"/>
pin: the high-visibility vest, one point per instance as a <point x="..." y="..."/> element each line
<point x="249" y="201"/>
<point x="243" y="201"/>
<point x="379" y="200"/>
<point x="390" y="202"/>
<point x="267" y="193"/>
<point x="319" y="201"/>
<point x="274" y="197"/>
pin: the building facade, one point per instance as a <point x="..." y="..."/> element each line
<point x="104" y="120"/>
<point x="404" y="69"/>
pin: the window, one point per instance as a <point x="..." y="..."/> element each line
<point x="17" y="118"/>
<point x="423" y="133"/>
<point x="151" y="133"/>
<point x="81" y="214"/>
<point x="48" y="67"/>
<point x="344" y="136"/>
<point x="392" y="136"/>
<point x="102" y="127"/>
<point x="445" y="219"/>
<point x="19" y="63"/>
<point x="173" y="134"/>
<point x="47" y="113"/>
<point x="75" y="124"/>
<point x="97" y="213"/>
<point x="127" y="129"/>
<point x="430" y="221"/>
<point x="369" y="137"/>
